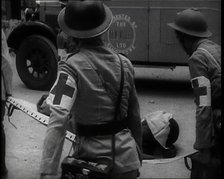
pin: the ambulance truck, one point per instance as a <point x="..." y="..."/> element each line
<point x="139" y="30"/>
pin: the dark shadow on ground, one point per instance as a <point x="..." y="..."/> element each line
<point x="167" y="86"/>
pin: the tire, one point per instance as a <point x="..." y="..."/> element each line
<point x="36" y="62"/>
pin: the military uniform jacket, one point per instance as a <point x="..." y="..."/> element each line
<point x="79" y="91"/>
<point x="205" y="71"/>
<point x="6" y="70"/>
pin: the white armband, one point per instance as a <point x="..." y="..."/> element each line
<point x="202" y="90"/>
<point x="63" y="92"/>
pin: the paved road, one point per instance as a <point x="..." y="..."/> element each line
<point x="158" y="89"/>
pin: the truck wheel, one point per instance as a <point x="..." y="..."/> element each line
<point x="36" y="62"/>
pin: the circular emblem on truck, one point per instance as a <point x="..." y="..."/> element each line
<point x="121" y="35"/>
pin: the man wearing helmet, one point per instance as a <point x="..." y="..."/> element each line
<point x="85" y="94"/>
<point x="205" y="70"/>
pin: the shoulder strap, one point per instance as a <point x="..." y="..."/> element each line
<point x="106" y="87"/>
<point x="121" y="83"/>
<point x="117" y="110"/>
<point x="121" y="88"/>
<point x="214" y="60"/>
<point x="69" y="55"/>
<point x="98" y="73"/>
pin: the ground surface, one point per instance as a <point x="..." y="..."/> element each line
<point x="158" y="89"/>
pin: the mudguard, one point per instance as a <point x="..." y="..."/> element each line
<point x="28" y="28"/>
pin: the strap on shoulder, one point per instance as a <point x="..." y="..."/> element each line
<point x="214" y="60"/>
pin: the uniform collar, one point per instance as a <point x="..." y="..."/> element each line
<point x="198" y="43"/>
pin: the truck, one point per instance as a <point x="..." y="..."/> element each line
<point x="139" y="30"/>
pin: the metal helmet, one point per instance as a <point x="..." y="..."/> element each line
<point x="192" y="22"/>
<point x="85" y="19"/>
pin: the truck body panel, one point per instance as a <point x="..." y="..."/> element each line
<point x="140" y="30"/>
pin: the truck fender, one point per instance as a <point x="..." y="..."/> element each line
<point x="28" y="28"/>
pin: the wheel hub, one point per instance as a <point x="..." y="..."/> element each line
<point x="37" y="64"/>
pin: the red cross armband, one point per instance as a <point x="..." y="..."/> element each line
<point x="202" y="91"/>
<point x="63" y="92"/>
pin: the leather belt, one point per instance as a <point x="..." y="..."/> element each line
<point x="110" y="128"/>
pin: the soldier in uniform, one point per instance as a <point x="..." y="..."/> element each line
<point x="6" y="90"/>
<point x="204" y="64"/>
<point x="85" y="93"/>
